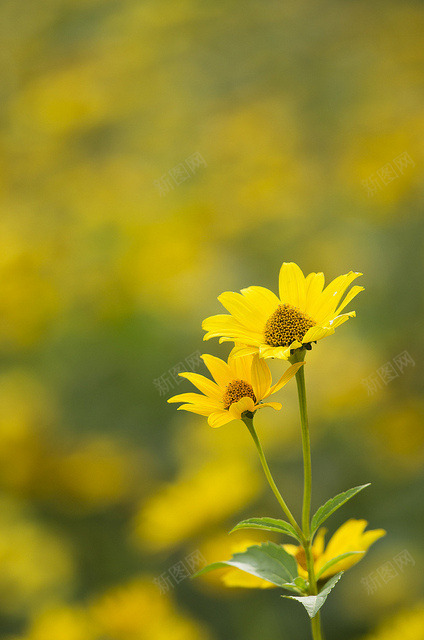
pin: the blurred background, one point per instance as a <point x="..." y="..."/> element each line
<point x="154" y="154"/>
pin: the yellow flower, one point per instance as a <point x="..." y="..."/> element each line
<point x="196" y="501"/>
<point x="240" y="385"/>
<point x="349" y="537"/>
<point x="407" y="625"/>
<point x="270" y="326"/>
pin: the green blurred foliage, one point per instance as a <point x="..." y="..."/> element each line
<point x="300" y="113"/>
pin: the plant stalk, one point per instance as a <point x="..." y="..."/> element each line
<point x="249" y="424"/>
<point x="298" y="356"/>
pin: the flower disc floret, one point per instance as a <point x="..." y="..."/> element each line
<point x="236" y="390"/>
<point x="286" y="325"/>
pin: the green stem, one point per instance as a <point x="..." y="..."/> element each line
<point x="306" y="446"/>
<point x="316" y="627"/>
<point x="298" y="356"/>
<point x="249" y="424"/>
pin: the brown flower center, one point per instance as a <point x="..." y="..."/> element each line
<point x="236" y="390"/>
<point x="285" y="325"/>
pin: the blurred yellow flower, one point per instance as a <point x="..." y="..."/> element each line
<point x="63" y="623"/>
<point x="240" y="385"/>
<point x="272" y="326"/>
<point x="407" y="625"/>
<point x="349" y="537"/>
<point x="36" y="564"/>
<point x="196" y="501"/>
<point x="139" y="611"/>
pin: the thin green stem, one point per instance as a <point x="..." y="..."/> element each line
<point x="249" y="423"/>
<point x="316" y="627"/>
<point x="306" y="446"/>
<point x="298" y="356"/>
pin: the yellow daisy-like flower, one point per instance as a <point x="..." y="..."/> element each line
<point x="241" y="384"/>
<point x="270" y="326"/>
<point x="348" y="538"/>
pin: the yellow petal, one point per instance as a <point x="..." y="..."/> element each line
<point x="264" y="300"/>
<point x="266" y="351"/>
<point x="292" y="285"/>
<point x="314" y="284"/>
<point x="261" y="378"/>
<point x="242" y="350"/>
<point x="240" y="367"/>
<point x="193" y="397"/>
<point x="239" y="407"/>
<point x="287" y="375"/>
<point x="218" y="368"/>
<point x="274" y="405"/>
<point x="318" y="545"/>
<point x="242" y="310"/>
<point x="195" y="408"/>
<point x="332" y="294"/>
<point x="316" y="333"/>
<point x="204" y="385"/>
<point x="219" y="418"/>
<point x="225" y="326"/>
<point x="336" y="322"/>
<point x="349" y="297"/>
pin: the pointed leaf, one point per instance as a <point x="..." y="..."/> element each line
<point x="268" y="524"/>
<point x="335" y="560"/>
<point x="332" y="505"/>
<point x="313" y="604"/>
<point x="268" y="561"/>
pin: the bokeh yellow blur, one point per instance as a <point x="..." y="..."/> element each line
<point x="155" y="153"/>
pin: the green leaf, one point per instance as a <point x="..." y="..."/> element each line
<point x="268" y="524"/>
<point x="313" y="604"/>
<point x="335" y="560"/>
<point x="268" y="561"/>
<point x="332" y="505"/>
<point x="299" y="585"/>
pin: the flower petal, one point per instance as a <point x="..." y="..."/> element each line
<point x="204" y="385"/>
<point x="262" y="299"/>
<point x="225" y="326"/>
<point x="219" y="418"/>
<point x="239" y="407"/>
<point x="242" y="310"/>
<point x="351" y="294"/>
<point x="316" y="333"/>
<point x="242" y="350"/>
<point x="218" y="368"/>
<point x="261" y="378"/>
<point x="314" y="284"/>
<point x="195" y="408"/>
<point x="266" y="351"/>
<point x="287" y="375"/>
<point x="274" y="405"/>
<point x="292" y="285"/>
<point x="332" y="294"/>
